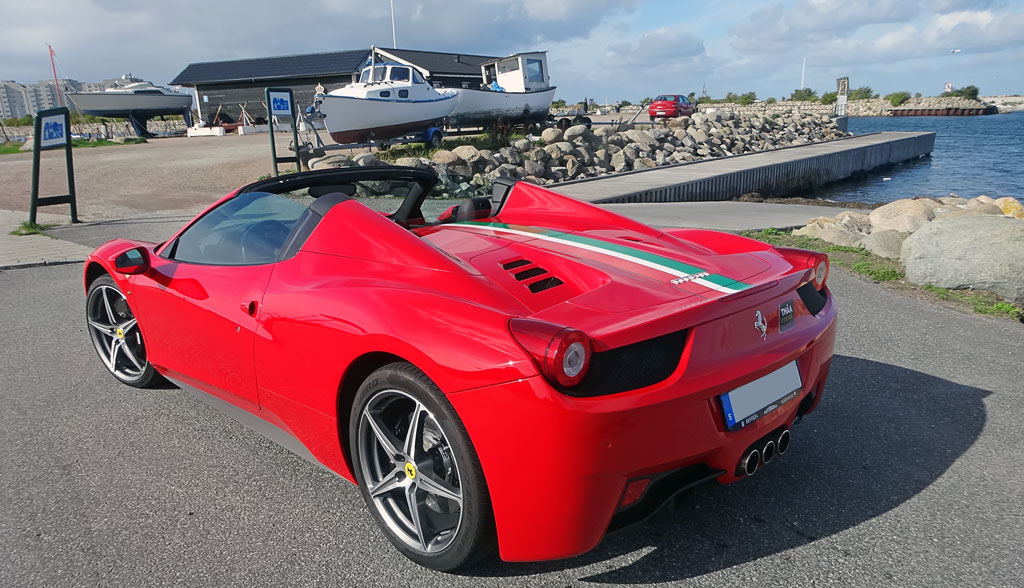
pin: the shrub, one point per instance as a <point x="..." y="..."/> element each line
<point x="746" y="98"/>
<point x="770" y="101"/>
<point x="625" y="103"/>
<point x="897" y="98"/>
<point x="862" y="93"/>
<point x="804" y="95"/>
<point x="558" y="104"/>
<point x="829" y="97"/>
<point x="970" y="92"/>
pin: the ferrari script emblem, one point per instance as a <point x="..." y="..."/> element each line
<point x="761" y="325"/>
<point x="410" y="470"/>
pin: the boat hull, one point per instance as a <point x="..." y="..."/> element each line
<point x="121" y="105"/>
<point x="485" y="107"/>
<point x="358" y="120"/>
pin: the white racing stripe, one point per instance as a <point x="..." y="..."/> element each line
<point x="646" y="263"/>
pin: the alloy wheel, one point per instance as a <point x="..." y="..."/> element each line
<point x="115" y="333"/>
<point x="410" y="471"/>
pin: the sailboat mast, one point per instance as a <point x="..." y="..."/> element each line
<point x="56" y="85"/>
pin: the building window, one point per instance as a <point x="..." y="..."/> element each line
<point x="534" y="70"/>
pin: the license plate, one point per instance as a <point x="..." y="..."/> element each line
<point x="661" y="112"/>
<point x="751" y="401"/>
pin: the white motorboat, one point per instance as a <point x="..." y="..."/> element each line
<point x="131" y="97"/>
<point x="515" y="89"/>
<point x="389" y="100"/>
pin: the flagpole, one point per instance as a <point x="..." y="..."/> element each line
<point x="56" y="85"/>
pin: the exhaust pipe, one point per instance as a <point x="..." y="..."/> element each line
<point x="782" y="444"/>
<point x="749" y="462"/>
<point x="768" y="452"/>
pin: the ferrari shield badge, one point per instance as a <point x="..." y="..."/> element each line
<point x="761" y="325"/>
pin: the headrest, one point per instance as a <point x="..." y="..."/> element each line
<point x="473" y="209"/>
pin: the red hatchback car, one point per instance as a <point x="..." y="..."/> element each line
<point x="670" y="106"/>
<point x="525" y="372"/>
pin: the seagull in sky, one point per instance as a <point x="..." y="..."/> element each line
<point x="954" y="50"/>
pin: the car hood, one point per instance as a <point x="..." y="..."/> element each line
<point x="609" y="270"/>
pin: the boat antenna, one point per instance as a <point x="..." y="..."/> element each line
<point x="394" y="42"/>
<point x="53" y="67"/>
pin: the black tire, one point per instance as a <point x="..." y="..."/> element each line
<point x="130" y="339"/>
<point x="436" y="140"/>
<point x="474" y="537"/>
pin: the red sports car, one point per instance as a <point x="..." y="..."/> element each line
<point x="524" y="372"/>
<point x="670" y="106"/>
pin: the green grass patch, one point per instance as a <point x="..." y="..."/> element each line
<point x="29" y="228"/>
<point x="879" y="269"/>
<point x="10" y="147"/>
<point x="981" y="302"/>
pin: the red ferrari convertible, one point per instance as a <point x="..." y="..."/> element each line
<point x="524" y="372"/>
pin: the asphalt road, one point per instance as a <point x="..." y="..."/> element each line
<point x="909" y="474"/>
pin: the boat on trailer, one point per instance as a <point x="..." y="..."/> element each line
<point x="390" y="100"/>
<point x="516" y="88"/>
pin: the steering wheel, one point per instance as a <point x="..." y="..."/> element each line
<point x="261" y="242"/>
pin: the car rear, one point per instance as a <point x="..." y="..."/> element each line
<point x="665" y="106"/>
<point x="686" y="401"/>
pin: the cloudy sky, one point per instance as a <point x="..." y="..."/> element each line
<point x="617" y="49"/>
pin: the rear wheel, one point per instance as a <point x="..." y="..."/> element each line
<point x="115" y="334"/>
<point x="436" y="140"/>
<point x="417" y="470"/>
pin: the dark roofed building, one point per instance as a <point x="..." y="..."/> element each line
<point x="222" y="86"/>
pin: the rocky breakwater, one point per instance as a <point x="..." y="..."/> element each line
<point x="950" y="242"/>
<point x="867" y="107"/>
<point x="579" y="152"/>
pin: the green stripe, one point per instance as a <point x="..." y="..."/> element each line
<point x="717" y="279"/>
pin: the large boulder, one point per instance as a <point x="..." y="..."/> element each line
<point x="837" y="234"/>
<point x="552" y="135"/>
<point x="575" y="132"/>
<point x="445" y="157"/>
<point x="906" y="216"/>
<point x="331" y="161"/>
<point x="642" y="138"/>
<point x="467" y="153"/>
<point x="980" y="252"/>
<point x="884" y="243"/>
<point x="979" y="210"/>
<point x="1010" y="207"/>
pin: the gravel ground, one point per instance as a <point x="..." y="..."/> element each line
<point x="907" y="475"/>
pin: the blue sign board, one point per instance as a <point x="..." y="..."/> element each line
<point x="280" y="104"/>
<point x="53" y="131"/>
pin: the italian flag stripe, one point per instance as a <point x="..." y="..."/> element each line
<point x="664" y="264"/>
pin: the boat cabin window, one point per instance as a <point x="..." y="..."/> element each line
<point x="508" y="65"/>
<point x="403" y="93"/>
<point x="534" y="70"/>
<point x="379" y="72"/>
<point x="399" y="74"/>
<point x="385" y="93"/>
<point x="417" y="78"/>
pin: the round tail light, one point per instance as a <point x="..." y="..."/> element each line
<point x="821" y="267"/>
<point x="562" y="354"/>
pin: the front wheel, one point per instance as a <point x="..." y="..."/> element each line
<point x="418" y="471"/>
<point x="115" y="334"/>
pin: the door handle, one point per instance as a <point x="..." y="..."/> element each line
<point x="249" y="308"/>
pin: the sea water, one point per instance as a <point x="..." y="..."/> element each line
<point x="973" y="155"/>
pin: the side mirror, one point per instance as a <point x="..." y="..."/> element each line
<point x="133" y="261"/>
<point x="448" y="215"/>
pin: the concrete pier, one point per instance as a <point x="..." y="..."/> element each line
<point x="770" y="173"/>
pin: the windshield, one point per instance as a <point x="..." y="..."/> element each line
<point x="378" y="77"/>
<point x="399" y="74"/>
